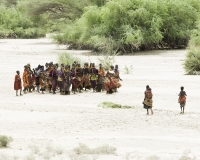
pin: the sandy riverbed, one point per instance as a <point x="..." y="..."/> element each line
<point x="40" y="125"/>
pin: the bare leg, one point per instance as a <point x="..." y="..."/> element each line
<point x="151" y="111"/>
<point x="50" y="89"/>
<point x="30" y="89"/>
<point x="25" y="90"/>
<point x="42" y="91"/>
<point x="16" y="92"/>
<point x="38" y="87"/>
<point x="20" y="92"/>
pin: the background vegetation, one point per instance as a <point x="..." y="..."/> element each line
<point x="103" y="25"/>
<point x="66" y="58"/>
<point x="192" y="62"/>
<point x="15" y="24"/>
<point x="130" y="25"/>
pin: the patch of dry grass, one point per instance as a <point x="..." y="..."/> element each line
<point x="44" y="153"/>
<point x="5" y="141"/>
<point x="187" y="155"/>
<point x="84" y="149"/>
<point x="154" y="157"/>
<point x="113" y="105"/>
<point x="4" y="156"/>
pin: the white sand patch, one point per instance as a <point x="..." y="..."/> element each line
<point x="65" y="121"/>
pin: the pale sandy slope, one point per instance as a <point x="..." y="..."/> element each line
<point x="65" y="121"/>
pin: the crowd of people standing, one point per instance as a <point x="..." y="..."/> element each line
<point x="65" y="79"/>
<point x="74" y="79"/>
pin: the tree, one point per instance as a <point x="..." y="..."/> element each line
<point x="98" y="2"/>
<point x="14" y="24"/>
<point x="8" y="3"/>
<point x="130" y="25"/>
<point x="56" y="12"/>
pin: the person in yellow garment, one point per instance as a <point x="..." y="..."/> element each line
<point x="94" y="77"/>
<point x="54" y="77"/>
<point x="66" y="76"/>
<point x="31" y="78"/>
<point x="101" y="78"/>
<point x="25" y="79"/>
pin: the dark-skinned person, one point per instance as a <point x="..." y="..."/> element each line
<point x="54" y="78"/>
<point x="93" y="77"/>
<point x="25" y="78"/>
<point x="148" y="102"/>
<point x="18" y="83"/>
<point x="182" y="99"/>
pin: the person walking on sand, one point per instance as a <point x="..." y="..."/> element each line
<point x="18" y="83"/>
<point x="182" y="100"/>
<point x="148" y="102"/>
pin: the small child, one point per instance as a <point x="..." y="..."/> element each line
<point x="18" y="83"/>
<point x="182" y="99"/>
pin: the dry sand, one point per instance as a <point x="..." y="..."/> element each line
<point x="51" y="126"/>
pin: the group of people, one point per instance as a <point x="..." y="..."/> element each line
<point x="148" y="102"/>
<point x="67" y="78"/>
<point x="75" y="79"/>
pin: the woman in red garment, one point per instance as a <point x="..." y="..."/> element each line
<point x="18" y="83"/>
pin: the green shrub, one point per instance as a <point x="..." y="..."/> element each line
<point x="107" y="60"/>
<point x="15" y="24"/>
<point x="128" y="69"/>
<point x="105" y="149"/>
<point x="4" y="141"/>
<point x="192" y="61"/>
<point x="66" y="58"/>
<point x="113" y="105"/>
<point x="126" y="26"/>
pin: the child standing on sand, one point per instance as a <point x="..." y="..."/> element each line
<point x="18" y="83"/>
<point x="182" y="99"/>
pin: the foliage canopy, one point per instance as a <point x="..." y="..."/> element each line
<point x="13" y="23"/>
<point x="129" y="25"/>
<point x="103" y="25"/>
<point x="192" y="62"/>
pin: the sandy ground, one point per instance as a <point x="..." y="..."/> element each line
<point x="37" y="123"/>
